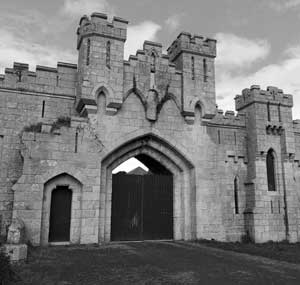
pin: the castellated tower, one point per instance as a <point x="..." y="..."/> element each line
<point x="195" y="57"/>
<point x="271" y="208"/>
<point x="101" y="49"/>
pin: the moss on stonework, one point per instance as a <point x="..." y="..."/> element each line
<point x="34" y="128"/>
<point x="63" y="121"/>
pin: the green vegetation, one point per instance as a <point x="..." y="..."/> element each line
<point x="34" y="128"/>
<point x="61" y="122"/>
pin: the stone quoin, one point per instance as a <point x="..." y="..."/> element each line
<point x="63" y="130"/>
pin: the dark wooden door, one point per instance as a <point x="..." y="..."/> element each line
<point x="60" y="214"/>
<point x="142" y="207"/>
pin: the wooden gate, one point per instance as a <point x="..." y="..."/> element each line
<point x="60" y="214"/>
<point x="142" y="207"/>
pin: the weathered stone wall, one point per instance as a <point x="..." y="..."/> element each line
<point x="19" y="109"/>
<point x="161" y="106"/>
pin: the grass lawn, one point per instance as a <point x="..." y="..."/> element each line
<point x="283" y="251"/>
<point x="160" y="263"/>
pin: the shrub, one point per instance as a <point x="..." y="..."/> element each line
<point x="61" y="122"/>
<point x="35" y="128"/>
<point x="6" y="272"/>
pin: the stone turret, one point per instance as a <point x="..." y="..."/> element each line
<point x="194" y="56"/>
<point x="269" y="128"/>
<point x="101" y="49"/>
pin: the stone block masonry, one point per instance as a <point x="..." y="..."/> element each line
<point x="68" y="127"/>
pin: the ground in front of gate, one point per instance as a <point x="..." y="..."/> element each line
<point x="152" y="263"/>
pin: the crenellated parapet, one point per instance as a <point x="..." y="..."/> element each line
<point x="101" y="50"/>
<point x="56" y="81"/>
<point x="153" y="77"/>
<point x="196" y="45"/>
<point x="194" y="56"/>
<point x="228" y="119"/>
<point x="98" y="25"/>
<point x="272" y="96"/>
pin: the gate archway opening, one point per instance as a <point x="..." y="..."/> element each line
<point x="161" y="158"/>
<point x="142" y="202"/>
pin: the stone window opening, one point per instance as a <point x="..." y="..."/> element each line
<point x="88" y="51"/>
<point x="279" y="113"/>
<point x="43" y="109"/>
<point x="271" y="207"/>
<point x="193" y="68"/>
<point x="271" y="173"/>
<point x="108" y="49"/>
<point x="153" y="63"/>
<point x="268" y="111"/>
<point x="236" y="195"/>
<point x="76" y="142"/>
<point x="204" y="70"/>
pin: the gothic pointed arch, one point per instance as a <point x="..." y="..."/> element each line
<point x="103" y="88"/>
<point x="196" y="102"/>
<point x="166" y="98"/>
<point x="176" y="163"/>
<point x="61" y="182"/>
<point x="138" y="93"/>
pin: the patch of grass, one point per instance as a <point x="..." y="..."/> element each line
<point x="34" y="128"/>
<point x="283" y="251"/>
<point x="63" y="121"/>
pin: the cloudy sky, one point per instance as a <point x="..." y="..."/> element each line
<point x="258" y="40"/>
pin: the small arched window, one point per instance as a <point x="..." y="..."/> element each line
<point x="108" y="54"/>
<point x="236" y="195"/>
<point x="271" y="174"/>
<point x="88" y="52"/>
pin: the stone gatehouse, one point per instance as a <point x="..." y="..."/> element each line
<point x="63" y="130"/>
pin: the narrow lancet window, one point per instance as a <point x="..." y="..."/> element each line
<point x="279" y="113"/>
<point x="236" y="195"/>
<point x="76" y="142"/>
<point x="204" y="70"/>
<point x="108" y="47"/>
<point x="153" y="62"/>
<point x="193" y="68"/>
<point x="88" y="52"/>
<point x="219" y="137"/>
<point x="268" y="111"/>
<point x="43" y="109"/>
<point x="271" y="176"/>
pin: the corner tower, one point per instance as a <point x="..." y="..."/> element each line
<point x="271" y="197"/>
<point x="100" y="64"/>
<point x="195" y="57"/>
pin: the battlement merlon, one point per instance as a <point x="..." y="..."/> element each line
<point x="98" y="25"/>
<point x="197" y="45"/>
<point x="272" y="96"/>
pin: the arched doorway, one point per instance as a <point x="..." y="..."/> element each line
<point x="61" y="209"/>
<point x="142" y="202"/>
<point x="159" y="155"/>
<point x="60" y="214"/>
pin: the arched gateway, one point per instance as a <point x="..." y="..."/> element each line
<point x="157" y="153"/>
